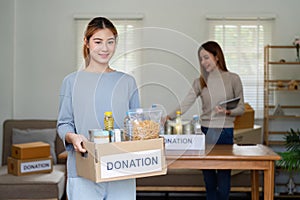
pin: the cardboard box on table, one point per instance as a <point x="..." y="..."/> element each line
<point x="185" y="142"/>
<point x="122" y="160"/>
<point x="248" y="135"/>
<point x="246" y="120"/>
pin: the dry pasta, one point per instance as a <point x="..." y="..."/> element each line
<point x="143" y="130"/>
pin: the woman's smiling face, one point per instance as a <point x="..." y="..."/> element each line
<point x="208" y="60"/>
<point x="102" y="47"/>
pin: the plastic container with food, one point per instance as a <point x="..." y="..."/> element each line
<point x="145" y="123"/>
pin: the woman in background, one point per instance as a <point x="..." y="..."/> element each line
<point x="85" y="96"/>
<point x="215" y="84"/>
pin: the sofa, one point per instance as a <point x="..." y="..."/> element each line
<point x="32" y="186"/>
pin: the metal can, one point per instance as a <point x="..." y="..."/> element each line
<point x="99" y="136"/>
<point x="118" y="135"/>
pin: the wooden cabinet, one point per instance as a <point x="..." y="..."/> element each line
<point x="281" y="92"/>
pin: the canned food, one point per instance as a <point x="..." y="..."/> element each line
<point x="99" y="136"/>
<point x="118" y="135"/>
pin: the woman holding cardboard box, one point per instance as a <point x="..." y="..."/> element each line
<point x="216" y="84"/>
<point x="85" y="96"/>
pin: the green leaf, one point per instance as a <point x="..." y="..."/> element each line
<point x="290" y="160"/>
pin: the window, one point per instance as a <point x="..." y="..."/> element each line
<point x="243" y="41"/>
<point x="126" y="57"/>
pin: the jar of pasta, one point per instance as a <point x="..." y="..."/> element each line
<point x="145" y="123"/>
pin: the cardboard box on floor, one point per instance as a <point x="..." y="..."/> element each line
<point x="246" y="120"/>
<point x="122" y="160"/>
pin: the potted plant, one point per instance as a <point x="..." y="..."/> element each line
<point x="290" y="159"/>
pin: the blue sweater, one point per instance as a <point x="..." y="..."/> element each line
<point x="84" y="98"/>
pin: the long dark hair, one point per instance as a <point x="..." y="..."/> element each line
<point x="94" y="25"/>
<point x="215" y="49"/>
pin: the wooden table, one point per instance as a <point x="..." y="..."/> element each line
<point x="240" y="157"/>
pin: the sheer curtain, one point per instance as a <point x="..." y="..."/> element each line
<point x="243" y="41"/>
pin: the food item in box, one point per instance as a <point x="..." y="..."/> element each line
<point x="147" y="129"/>
<point x="108" y="121"/>
<point x="145" y="123"/>
<point x="99" y="136"/>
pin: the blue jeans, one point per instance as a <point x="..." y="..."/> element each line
<point x="217" y="182"/>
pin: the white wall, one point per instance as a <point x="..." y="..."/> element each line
<point x="6" y="63"/>
<point x="38" y="45"/>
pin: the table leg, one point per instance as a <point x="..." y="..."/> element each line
<point x="269" y="182"/>
<point x="254" y="185"/>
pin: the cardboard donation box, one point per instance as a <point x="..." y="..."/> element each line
<point x="122" y="160"/>
<point x="246" y="120"/>
<point x="30" y="166"/>
<point x="30" y="150"/>
<point x="184" y="142"/>
<point x="30" y="158"/>
<point x="248" y="135"/>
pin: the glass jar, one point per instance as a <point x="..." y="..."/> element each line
<point x="108" y="121"/>
<point x="178" y="123"/>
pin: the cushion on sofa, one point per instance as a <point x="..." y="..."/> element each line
<point x="34" y="135"/>
<point x="34" y="185"/>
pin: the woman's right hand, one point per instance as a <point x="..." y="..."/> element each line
<point x="76" y="140"/>
<point x="221" y="110"/>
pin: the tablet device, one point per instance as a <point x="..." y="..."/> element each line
<point x="230" y="104"/>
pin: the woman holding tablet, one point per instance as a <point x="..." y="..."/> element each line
<point x="215" y="85"/>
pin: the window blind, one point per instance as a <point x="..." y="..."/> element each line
<point x="243" y="41"/>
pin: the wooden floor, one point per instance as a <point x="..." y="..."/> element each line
<point x="187" y="196"/>
<point x="201" y="196"/>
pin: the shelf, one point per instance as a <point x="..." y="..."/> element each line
<point x="284" y="63"/>
<point x="280" y="68"/>
<point x="282" y="85"/>
<point x="281" y="47"/>
<point x="284" y="117"/>
<point x="287" y="196"/>
<point x="277" y="80"/>
<point x="283" y="106"/>
<point x="277" y="132"/>
<point x="283" y="90"/>
<point x="271" y="142"/>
